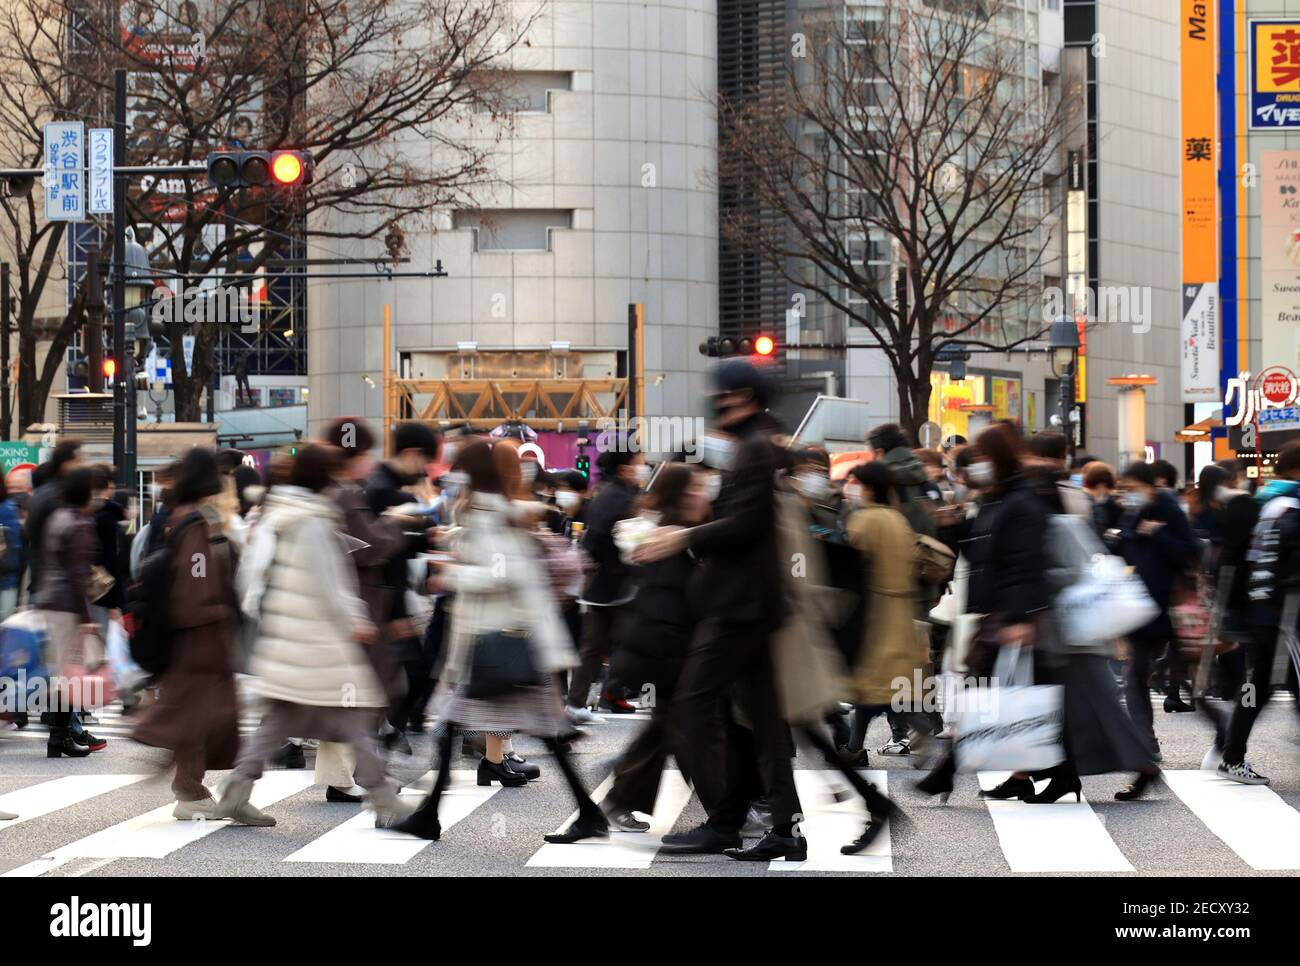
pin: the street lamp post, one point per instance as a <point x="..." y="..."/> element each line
<point x="1063" y="342"/>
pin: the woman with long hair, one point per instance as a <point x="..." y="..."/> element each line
<point x="501" y="600"/>
<point x="196" y="714"/>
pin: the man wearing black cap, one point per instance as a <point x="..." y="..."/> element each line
<point x="738" y="594"/>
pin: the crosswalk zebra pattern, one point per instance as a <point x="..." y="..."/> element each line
<point x="1254" y="822"/>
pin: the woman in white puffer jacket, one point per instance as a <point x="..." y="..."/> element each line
<point x="308" y="660"/>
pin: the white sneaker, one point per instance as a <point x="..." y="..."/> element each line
<point x="201" y="810"/>
<point x="1213" y="758"/>
<point x="895" y="748"/>
<point x="1243" y="774"/>
<point x="581" y="716"/>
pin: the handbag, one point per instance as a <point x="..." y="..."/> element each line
<point x="86" y="678"/>
<point x="100" y="583"/>
<point x="1011" y="723"/>
<point x="1106" y="602"/>
<point x="502" y="661"/>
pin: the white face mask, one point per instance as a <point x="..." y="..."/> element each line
<point x="1225" y="493"/>
<point x="642" y="473"/>
<point x="567" y="500"/>
<point x="714" y="486"/>
<point x="813" y="485"/>
<point x="1133" y="500"/>
<point x="718" y="452"/>
<point x="528" y="471"/>
<point x="980" y="473"/>
<point x="449" y="452"/>
<point x="853" y="493"/>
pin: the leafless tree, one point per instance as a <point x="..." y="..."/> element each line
<point x="916" y="144"/>
<point x="356" y="82"/>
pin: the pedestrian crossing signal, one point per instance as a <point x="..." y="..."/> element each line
<point x="583" y="466"/>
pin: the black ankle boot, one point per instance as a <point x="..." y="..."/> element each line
<point x="1057" y="788"/>
<point x="64" y="744"/>
<point x="499" y="772"/>
<point x="423" y="822"/>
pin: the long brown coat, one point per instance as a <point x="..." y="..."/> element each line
<point x="197" y="709"/>
<point x="893" y="645"/>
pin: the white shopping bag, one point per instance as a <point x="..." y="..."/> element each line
<point x="1108" y="601"/>
<point x="1010" y="724"/>
<point x="126" y="673"/>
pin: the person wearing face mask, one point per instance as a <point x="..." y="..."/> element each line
<point x="730" y="656"/>
<point x="609" y="589"/>
<point x="1099" y="485"/>
<point x="1157" y="541"/>
<point x="378" y="540"/>
<point x="414" y="446"/>
<point x="1223" y="518"/>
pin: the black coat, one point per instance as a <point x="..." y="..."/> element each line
<point x="741" y="566"/>
<point x="1004" y="545"/>
<point x="656" y="627"/>
<point x="108" y="529"/>
<point x="610" y="581"/>
<point x="384" y="491"/>
<point x="1159" y="557"/>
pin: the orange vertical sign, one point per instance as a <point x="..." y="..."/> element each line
<point x="1199" y="142"/>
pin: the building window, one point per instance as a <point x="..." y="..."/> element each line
<point x="529" y="91"/>
<point x="513" y="229"/>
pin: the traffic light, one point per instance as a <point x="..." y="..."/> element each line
<point x="762" y="346"/>
<point x="17" y="184"/>
<point x="110" y="368"/>
<point x="583" y="466"/>
<point x="254" y="169"/>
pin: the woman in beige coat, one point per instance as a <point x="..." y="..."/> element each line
<point x="894" y="653"/>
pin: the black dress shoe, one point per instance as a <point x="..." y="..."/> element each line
<point x="1135" y="790"/>
<point x="500" y="772"/>
<point x="521" y="766"/>
<point x="868" y="836"/>
<point x="792" y="848"/>
<point x="701" y="840"/>
<point x="585" y="827"/>
<point x="289" y="756"/>
<point x="1011" y="788"/>
<point x="1175" y="703"/>
<point x="64" y="744"/>
<point x="333" y="794"/>
<point x="396" y="741"/>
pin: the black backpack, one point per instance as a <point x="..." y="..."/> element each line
<point x="148" y="599"/>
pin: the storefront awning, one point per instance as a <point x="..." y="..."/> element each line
<point x="1200" y="431"/>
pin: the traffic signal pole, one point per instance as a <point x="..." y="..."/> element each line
<point x="124" y="384"/>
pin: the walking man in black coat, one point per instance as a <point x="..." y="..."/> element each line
<point x="728" y="666"/>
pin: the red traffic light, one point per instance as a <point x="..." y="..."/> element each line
<point x="286" y="168"/>
<point x="764" y="345"/>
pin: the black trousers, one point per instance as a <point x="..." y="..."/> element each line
<point x="732" y="662"/>
<point x="1253" y="692"/>
<point x="597" y="644"/>
<point x="1145" y="646"/>
<point x="638" y="772"/>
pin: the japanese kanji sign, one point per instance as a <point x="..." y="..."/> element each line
<point x="1275" y="74"/>
<point x="101" y="170"/>
<point x="1199" y="377"/>
<point x="65" y="171"/>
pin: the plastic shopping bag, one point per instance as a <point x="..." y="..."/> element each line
<point x="1010" y="723"/>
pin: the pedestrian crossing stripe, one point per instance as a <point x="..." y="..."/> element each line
<point x="357" y="841"/>
<point x="155" y="834"/>
<point x="829" y="825"/>
<point x="1254" y="822"/>
<point x="623" y="850"/>
<point x="1067" y="836"/>
<point x="51" y="796"/>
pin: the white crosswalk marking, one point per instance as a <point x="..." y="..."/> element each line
<point x="155" y="834"/>
<point x="1063" y="837"/>
<point x="50" y="796"/>
<point x="1252" y="820"/>
<point x="358" y="841"/>
<point x="829" y="825"/>
<point x="622" y="850"/>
